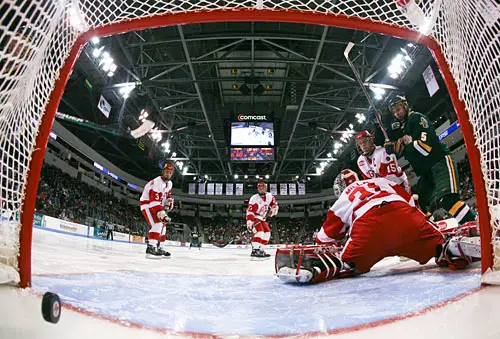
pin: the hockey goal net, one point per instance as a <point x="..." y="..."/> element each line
<point x="40" y="41"/>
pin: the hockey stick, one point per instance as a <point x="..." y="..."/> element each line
<point x="378" y="116"/>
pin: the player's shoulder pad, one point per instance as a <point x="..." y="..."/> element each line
<point x="416" y="117"/>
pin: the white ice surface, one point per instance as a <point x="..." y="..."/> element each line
<point x="475" y="316"/>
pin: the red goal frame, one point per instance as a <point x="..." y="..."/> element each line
<point x="245" y="15"/>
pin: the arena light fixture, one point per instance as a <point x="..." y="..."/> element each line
<point x="125" y="89"/>
<point x="95" y="40"/>
<point x="236" y="176"/>
<point x="246" y="176"/>
<point x="97" y="52"/>
<point x="143" y="115"/>
<point x="361" y="118"/>
<point x="379" y="92"/>
<point x="206" y="176"/>
<point x="174" y="154"/>
<point x="267" y="176"/>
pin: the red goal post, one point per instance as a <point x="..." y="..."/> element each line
<point x="39" y="52"/>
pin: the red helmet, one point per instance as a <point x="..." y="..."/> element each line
<point x="361" y="135"/>
<point x="261" y="184"/>
<point x="169" y="167"/>
<point x="344" y="179"/>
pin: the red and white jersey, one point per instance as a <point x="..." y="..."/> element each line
<point x="155" y="194"/>
<point x="258" y="206"/>
<point x="357" y="199"/>
<point x="382" y="165"/>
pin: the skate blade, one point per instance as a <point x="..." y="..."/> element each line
<point x="259" y="259"/>
<point x="154" y="257"/>
<point x="164" y="257"/>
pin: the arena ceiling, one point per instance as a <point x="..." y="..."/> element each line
<point x="191" y="80"/>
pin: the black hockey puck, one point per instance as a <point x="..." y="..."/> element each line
<point x="51" y="307"/>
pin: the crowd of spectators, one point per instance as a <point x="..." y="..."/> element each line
<point x="62" y="196"/>
<point x="466" y="182"/>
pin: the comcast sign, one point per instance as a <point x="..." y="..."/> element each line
<point x="243" y="117"/>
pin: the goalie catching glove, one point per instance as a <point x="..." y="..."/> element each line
<point x="162" y="215"/>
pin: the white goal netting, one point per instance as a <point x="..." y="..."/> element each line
<point x="37" y="36"/>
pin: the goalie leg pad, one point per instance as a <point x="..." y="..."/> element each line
<point x="308" y="263"/>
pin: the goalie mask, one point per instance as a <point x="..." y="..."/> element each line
<point x="167" y="171"/>
<point x="365" y="143"/>
<point x="344" y="179"/>
<point x="399" y="108"/>
<point x="262" y="188"/>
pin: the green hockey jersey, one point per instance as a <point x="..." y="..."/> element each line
<point x="425" y="150"/>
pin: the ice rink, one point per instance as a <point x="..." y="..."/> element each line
<point x="110" y="290"/>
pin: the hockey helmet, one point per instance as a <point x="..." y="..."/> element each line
<point x="396" y="103"/>
<point x="344" y="179"/>
<point x="168" y="170"/>
<point x="262" y="187"/>
<point x="368" y="148"/>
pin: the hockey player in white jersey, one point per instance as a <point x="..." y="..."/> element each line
<point x="374" y="162"/>
<point x="261" y="206"/>
<point x="156" y="200"/>
<point x="373" y="219"/>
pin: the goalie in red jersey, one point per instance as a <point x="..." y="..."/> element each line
<point x="372" y="219"/>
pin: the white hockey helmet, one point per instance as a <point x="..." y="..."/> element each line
<point x="344" y="179"/>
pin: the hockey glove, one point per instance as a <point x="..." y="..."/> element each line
<point x="162" y="215"/>
<point x="407" y="139"/>
<point x="170" y="204"/>
<point x="274" y="210"/>
<point x="389" y="147"/>
<point x="250" y="224"/>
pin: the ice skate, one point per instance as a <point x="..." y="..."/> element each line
<point x="163" y="253"/>
<point x="153" y="252"/>
<point x="258" y="254"/>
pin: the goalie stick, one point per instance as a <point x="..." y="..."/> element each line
<point x="378" y="116"/>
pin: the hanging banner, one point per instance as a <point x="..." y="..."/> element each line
<point x="201" y="188"/>
<point x="218" y="189"/>
<point x="292" y="189"/>
<point x="192" y="188"/>
<point x="229" y="189"/>
<point x="273" y="188"/>
<point x="302" y="189"/>
<point x="104" y="106"/>
<point x="210" y="189"/>
<point x="239" y="189"/>
<point x="430" y="81"/>
<point x="283" y="189"/>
